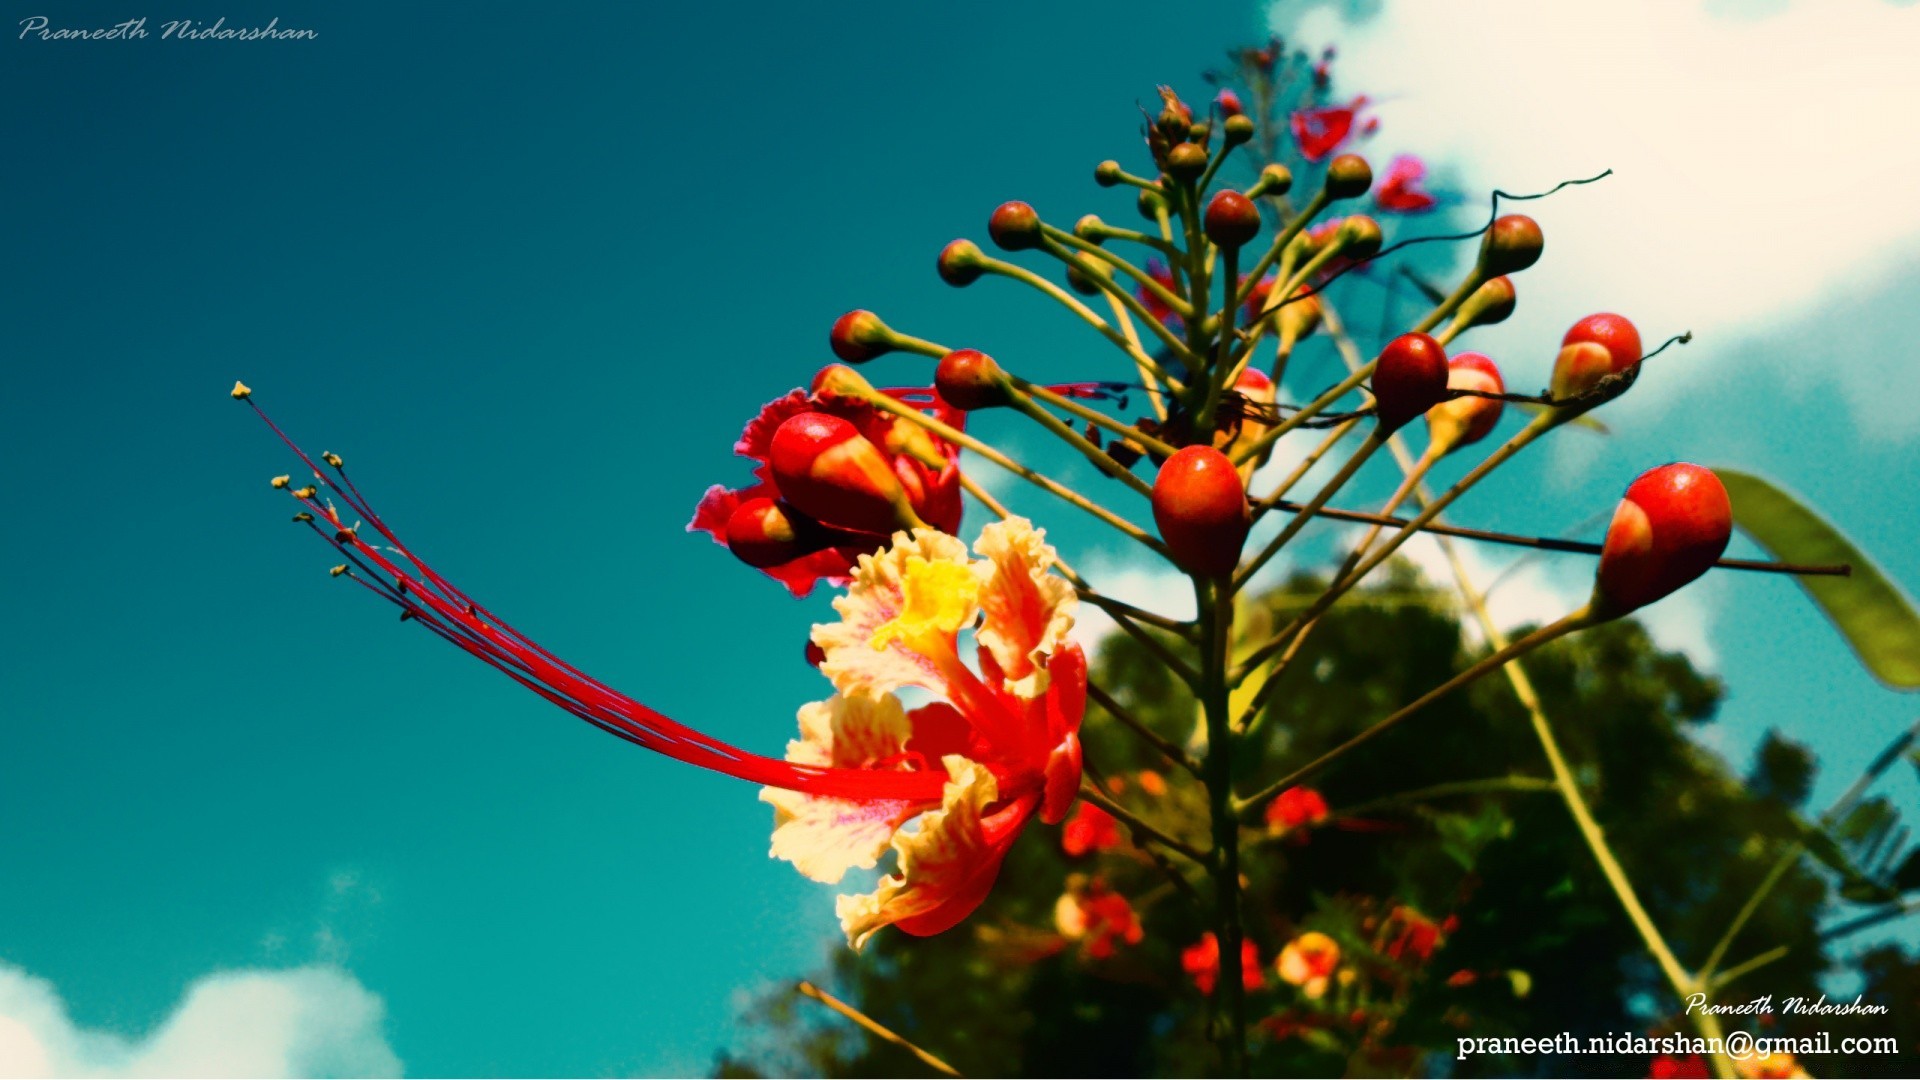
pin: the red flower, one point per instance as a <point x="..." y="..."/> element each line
<point x="1089" y="829"/>
<point x="1321" y="131"/>
<point x="927" y="469"/>
<point x="1413" y="936"/>
<point x="1099" y="918"/>
<point x="1294" y="808"/>
<point x="1399" y="191"/>
<point x="1163" y="275"/>
<point x="1201" y="960"/>
<point x="1000" y="747"/>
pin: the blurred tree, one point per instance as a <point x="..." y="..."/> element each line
<point x="1460" y="898"/>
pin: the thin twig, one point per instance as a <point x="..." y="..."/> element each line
<point x="880" y="1031"/>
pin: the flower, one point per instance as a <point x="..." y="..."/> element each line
<point x="1398" y="192"/>
<point x="1089" y="829"/>
<point x="1294" y="808"/>
<point x="1412" y="935"/>
<point x="1201" y="960"/>
<point x="1162" y="274"/>
<point x="1097" y="917"/>
<point x="1007" y="738"/>
<point x="1321" y="131"/>
<point x="797" y="550"/>
<point x="1003" y="745"/>
<point x="1308" y="962"/>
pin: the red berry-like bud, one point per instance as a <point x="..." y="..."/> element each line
<point x="1348" y="177"/>
<point x="1229" y="103"/>
<point x="1491" y="303"/>
<point x="1187" y="161"/>
<point x="1015" y="227"/>
<point x="969" y="379"/>
<point x="839" y="381"/>
<point x="859" y="336"/>
<point x="827" y="470"/>
<point x="1464" y="421"/>
<point x="1410" y="378"/>
<point x="1511" y="245"/>
<point x="762" y="533"/>
<point x="1596" y="347"/>
<point x="1200" y="505"/>
<point x="1232" y="220"/>
<point x="1672" y="526"/>
<point x="1108" y="173"/>
<point x="1237" y="130"/>
<point x="961" y="263"/>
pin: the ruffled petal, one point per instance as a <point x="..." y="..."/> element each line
<point x="947" y="866"/>
<point x="878" y="599"/>
<point x="1029" y="611"/>
<point x="825" y="837"/>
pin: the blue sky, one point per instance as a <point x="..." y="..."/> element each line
<point x="531" y="271"/>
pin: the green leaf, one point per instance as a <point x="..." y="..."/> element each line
<point x="1870" y="612"/>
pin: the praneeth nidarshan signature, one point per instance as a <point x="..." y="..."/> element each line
<point x="41" y="28"/>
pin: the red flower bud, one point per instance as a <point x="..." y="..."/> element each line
<point x="1411" y="378"/>
<point x="1229" y="103"/>
<point x="1464" y="421"/>
<point x="1596" y="347"/>
<point x="1186" y="161"/>
<point x="827" y="470"/>
<point x="1672" y="526"/>
<point x="761" y="533"/>
<point x="969" y="379"/>
<point x="961" y="263"/>
<point x="1200" y="505"/>
<point x="1232" y="220"/>
<point x="1348" y="177"/>
<point x="1015" y="227"/>
<point x="1511" y="245"/>
<point x="860" y="336"/>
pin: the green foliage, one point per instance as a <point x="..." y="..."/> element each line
<point x="1461" y="896"/>
<point x="1868" y="610"/>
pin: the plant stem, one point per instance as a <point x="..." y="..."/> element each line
<point x="807" y="989"/>
<point x="1141" y="828"/>
<point x="1216" y="604"/>
<point x="1097" y="457"/>
<point x="1167" y="748"/>
<point x="1092" y="416"/>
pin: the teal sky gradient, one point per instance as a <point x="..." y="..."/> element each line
<point x="529" y="270"/>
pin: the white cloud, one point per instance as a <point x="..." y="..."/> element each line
<point x="1146" y="583"/>
<point x="308" y="1021"/>
<point x="1763" y="163"/>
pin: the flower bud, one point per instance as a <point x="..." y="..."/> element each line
<point x="826" y="469"/>
<point x="1108" y="173"/>
<point x="1463" y="421"/>
<point x="1298" y="317"/>
<point x="1511" y="245"/>
<point x="1199" y="133"/>
<point x="1175" y="119"/>
<point x="1014" y="227"/>
<point x="1275" y="179"/>
<point x="1232" y="220"/>
<point x="1237" y="130"/>
<point x="1090" y="228"/>
<point x="1594" y="348"/>
<point x="1186" y="161"/>
<point x="1150" y="204"/>
<point x="961" y="263"/>
<point x="840" y="381"/>
<point x="1491" y="303"/>
<point x="1229" y="104"/>
<point x="1084" y="274"/>
<point x="969" y="379"/>
<point x="859" y="336"/>
<point x="1672" y="526"/>
<point x="1200" y="506"/>
<point x="1359" y="237"/>
<point x="1348" y="177"/>
<point x="762" y="533"/>
<point x="1409" y="378"/>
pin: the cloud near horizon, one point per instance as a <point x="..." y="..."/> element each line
<point x="316" y="1020"/>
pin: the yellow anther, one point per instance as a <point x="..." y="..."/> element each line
<point x="241" y="391"/>
<point x="307" y="492"/>
<point x="338" y="570"/>
<point x="346" y="536"/>
<point x="303" y="516"/>
<point x="332" y="459"/>
<point x="282" y="481"/>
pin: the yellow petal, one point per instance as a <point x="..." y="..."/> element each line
<point x="1029" y="611"/>
<point x="823" y="837"/>
<point x="938" y="862"/>
<point x="878" y="597"/>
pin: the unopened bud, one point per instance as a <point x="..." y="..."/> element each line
<point x="1491" y="303"/>
<point x="1275" y="179"/>
<point x="1090" y="228"/>
<point x="1348" y="177"/>
<point x="840" y="381"/>
<point x="824" y="467"/>
<point x="1239" y="129"/>
<point x="1150" y="204"/>
<point x="961" y="263"/>
<point x="1108" y="173"/>
<point x="1232" y="220"/>
<point x="1187" y="161"/>
<point x="1014" y="226"/>
<point x="860" y="336"/>
<point x="969" y="379"/>
<point x="1360" y="237"/>
<point x="1083" y="275"/>
<point x="1229" y="104"/>
<point x="1511" y="245"/>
